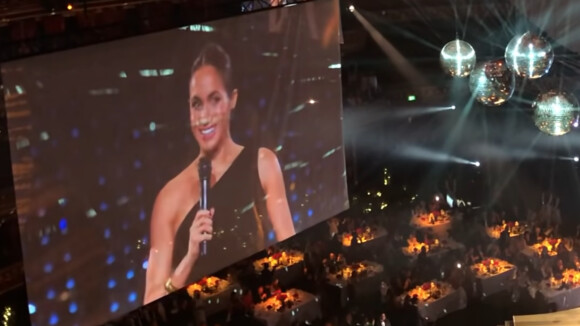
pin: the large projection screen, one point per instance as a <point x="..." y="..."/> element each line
<point x="106" y="142"/>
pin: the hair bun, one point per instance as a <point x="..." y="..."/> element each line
<point x="214" y="55"/>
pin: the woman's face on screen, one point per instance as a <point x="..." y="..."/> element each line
<point x="209" y="108"/>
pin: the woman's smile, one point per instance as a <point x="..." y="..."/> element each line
<point x="207" y="132"/>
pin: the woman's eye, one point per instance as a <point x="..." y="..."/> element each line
<point x="196" y="104"/>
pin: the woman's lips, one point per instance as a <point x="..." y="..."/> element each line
<point x="207" y="132"/>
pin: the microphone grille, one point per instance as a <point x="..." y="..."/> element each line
<point x="204" y="167"/>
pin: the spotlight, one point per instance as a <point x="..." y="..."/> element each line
<point x="312" y="101"/>
<point x="69" y="7"/>
<point x="436" y="198"/>
<point x="458" y="265"/>
<point x="477" y="164"/>
<point x="351" y="8"/>
<point x="576" y="159"/>
<point x="453" y="107"/>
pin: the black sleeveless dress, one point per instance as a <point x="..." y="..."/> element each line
<point x="241" y="226"/>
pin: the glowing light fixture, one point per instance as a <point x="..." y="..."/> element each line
<point x="457" y="58"/>
<point x="555" y="112"/>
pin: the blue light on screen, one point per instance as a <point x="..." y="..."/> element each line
<point x="48" y="268"/>
<point x="70" y="283"/>
<point x="72" y="308"/>
<point x="107" y="234"/>
<point x="310" y="212"/>
<point x="293" y="177"/>
<point x="145" y="264"/>
<point x="50" y="294"/>
<point x="62" y="224"/>
<point x="53" y="319"/>
<point x="296" y="217"/>
<point x="31" y="308"/>
<point x="110" y="259"/>
<point x="132" y="297"/>
<point x="114" y="307"/>
<point x="130" y="274"/>
<point x="111" y="284"/>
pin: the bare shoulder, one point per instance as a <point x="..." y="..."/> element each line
<point x="267" y="159"/>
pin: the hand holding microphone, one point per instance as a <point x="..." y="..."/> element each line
<point x="204" y="171"/>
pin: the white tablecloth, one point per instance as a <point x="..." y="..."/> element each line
<point x="437" y="253"/>
<point x="434" y="310"/>
<point x="379" y="234"/>
<point x="308" y="309"/>
<point x="287" y="275"/>
<point x="440" y="229"/>
<point x="218" y="302"/>
<point x="362" y="286"/>
<point x="497" y="283"/>
<point x="564" y="299"/>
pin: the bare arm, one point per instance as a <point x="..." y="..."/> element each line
<point x="160" y="253"/>
<point x="163" y="230"/>
<point x="276" y="202"/>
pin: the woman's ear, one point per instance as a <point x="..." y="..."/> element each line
<point x="233" y="99"/>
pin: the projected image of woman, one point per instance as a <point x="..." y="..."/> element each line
<point x="247" y="200"/>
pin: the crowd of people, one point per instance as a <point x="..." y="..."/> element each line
<point x="390" y="303"/>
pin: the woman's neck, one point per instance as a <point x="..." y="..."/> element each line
<point x="225" y="154"/>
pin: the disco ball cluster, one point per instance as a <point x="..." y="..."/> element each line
<point x="492" y="82"/>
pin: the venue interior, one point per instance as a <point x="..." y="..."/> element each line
<point x="460" y="121"/>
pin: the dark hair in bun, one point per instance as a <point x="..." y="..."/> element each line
<point x="214" y="55"/>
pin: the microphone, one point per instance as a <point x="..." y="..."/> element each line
<point x="204" y="170"/>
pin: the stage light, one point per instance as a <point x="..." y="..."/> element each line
<point x="453" y="107"/>
<point x="351" y="8"/>
<point x="312" y="101"/>
<point x="576" y="159"/>
<point x="458" y="265"/>
<point x="69" y="7"/>
<point x="436" y="198"/>
<point x="411" y="98"/>
<point x="477" y="163"/>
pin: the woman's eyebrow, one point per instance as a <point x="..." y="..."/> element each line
<point x="214" y="93"/>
